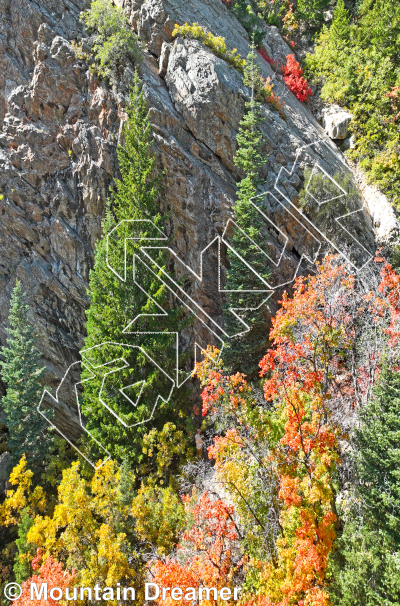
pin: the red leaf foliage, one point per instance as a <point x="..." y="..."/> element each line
<point x="293" y="75"/>
<point x="50" y="572"/>
<point x="327" y="343"/>
<point x="204" y="555"/>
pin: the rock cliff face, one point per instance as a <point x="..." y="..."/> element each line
<point x="59" y="129"/>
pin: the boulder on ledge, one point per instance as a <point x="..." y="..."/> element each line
<point x="336" y="121"/>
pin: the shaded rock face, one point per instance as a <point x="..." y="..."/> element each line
<point x="56" y="163"/>
<point x="59" y="130"/>
<point x="5" y="464"/>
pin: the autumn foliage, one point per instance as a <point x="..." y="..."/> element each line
<point x="267" y="58"/>
<point x="22" y="496"/>
<point x="205" y="556"/>
<point x="49" y="572"/>
<point x="327" y="341"/>
<point x="293" y="75"/>
<point x="305" y="458"/>
<point x="266" y="515"/>
<point x="87" y="529"/>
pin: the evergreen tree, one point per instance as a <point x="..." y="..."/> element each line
<point x="249" y="156"/>
<point x="340" y="29"/>
<point x="22" y="567"/>
<point x="365" y="570"/>
<point x="365" y="567"/>
<point x="378" y="455"/>
<point x="21" y="371"/>
<point x="244" y="352"/>
<point x="116" y="303"/>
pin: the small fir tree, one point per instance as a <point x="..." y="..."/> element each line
<point x="245" y="351"/>
<point x="22" y="567"/>
<point x="249" y="156"/>
<point x="340" y="29"/>
<point x="21" y="371"/>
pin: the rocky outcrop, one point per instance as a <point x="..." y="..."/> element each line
<point x="59" y="130"/>
<point x="5" y="465"/>
<point x="274" y="45"/>
<point x="57" y="158"/>
<point x="386" y="224"/>
<point x="336" y="121"/>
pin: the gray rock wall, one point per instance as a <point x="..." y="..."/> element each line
<point x="59" y="129"/>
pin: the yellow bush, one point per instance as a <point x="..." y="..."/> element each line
<point x="215" y="43"/>
<point x="21" y="496"/>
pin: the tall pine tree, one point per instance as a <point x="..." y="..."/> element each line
<point x="244" y="352"/>
<point x="22" y="371"/>
<point x="115" y="303"/>
<point x="378" y="455"/>
<point x="365" y="569"/>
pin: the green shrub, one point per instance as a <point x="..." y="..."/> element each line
<point x="272" y="11"/>
<point x="358" y="65"/>
<point x="244" y="13"/>
<point x="215" y="43"/>
<point x="312" y="12"/>
<point x="114" y="42"/>
<point x="294" y="19"/>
